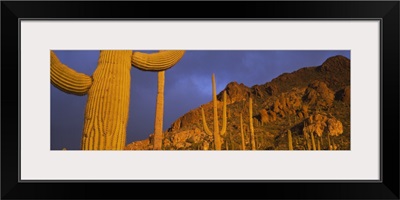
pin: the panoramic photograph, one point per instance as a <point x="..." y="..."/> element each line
<point x="182" y="100"/>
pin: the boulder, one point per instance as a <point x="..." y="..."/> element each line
<point x="318" y="94"/>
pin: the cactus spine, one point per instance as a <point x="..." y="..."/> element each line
<point x="253" y="142"/>
<point x="290" y="143"/>
<point x="216" y="133"/>
<point x="241" y="131"/>
<point x="158" y="122"/>
<point x="107" y="107"/>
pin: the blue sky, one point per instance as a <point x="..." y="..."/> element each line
<point x="187" y="86"/>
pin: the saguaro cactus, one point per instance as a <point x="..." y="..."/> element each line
<point x="290" y="142"/>
<point x="158" y="122"/>
<point x="313" y="141"/>
<point x="334" y="128"/>
<point x="242" y="133"/>
<point x="216" y="133"/>
<point x="253" y="141"/>
<point x="159" y="118"/>
<point x="107" y="107"/>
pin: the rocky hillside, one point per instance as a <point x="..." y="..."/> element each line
<point x="310" y="100"/>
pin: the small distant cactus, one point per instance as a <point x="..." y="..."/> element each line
<point x="242" y="133"/>
<point x="334" y="128"/>
<point x="320" y="124"/>
<point x="290" y="142"/>
<point x="313" y="141"/>
<point x="253" y="141"/>
<point x="216" y="133"/>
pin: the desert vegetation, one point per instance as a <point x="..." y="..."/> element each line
<point x="308" y="109"/>
<point x="107" y="106"/>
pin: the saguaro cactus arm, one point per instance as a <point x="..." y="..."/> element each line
<point x="159" y="61"/>
<point x="67" y="79"/>
<point x="206" y="129"/>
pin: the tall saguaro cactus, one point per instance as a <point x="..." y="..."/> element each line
<point x="253" y="141"/>
<point x="216" y="133"/>
<point x="108" y="91"/>
<point x="242" y="133"/>
<point x="158" y="122"/>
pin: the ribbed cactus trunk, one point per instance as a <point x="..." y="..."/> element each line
<point x="313" y="141"/>
<point x="216" y="133"/>
<point x="106" y="114"/>
<point x="158" y="122"/>
<point x="242" y="133"/>
<point x="217" y="138"/>
<point x="253" y="141"/>
<point x="107" y="107"/>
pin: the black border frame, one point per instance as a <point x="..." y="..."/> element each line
<point x="386" y="11"/>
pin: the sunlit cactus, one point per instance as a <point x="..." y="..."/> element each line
<point x="308" y="131"/>
<point x="290" y="142"/>
<point x="313" y="141"/>
<point x="146" y="62"/>
<point x="334" y="129"/>
<point x="67" y="79"/>
<point x="242" y="133"/>
<point x="216" y="133"/>
<point x="159" y="118"/>
<point x="319" y="124"/>
<point x="108" y="91"/>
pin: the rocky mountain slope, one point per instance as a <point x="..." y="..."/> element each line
<point x="310" y="100"/>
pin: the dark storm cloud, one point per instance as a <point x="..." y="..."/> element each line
<point x="187" y="86"/>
